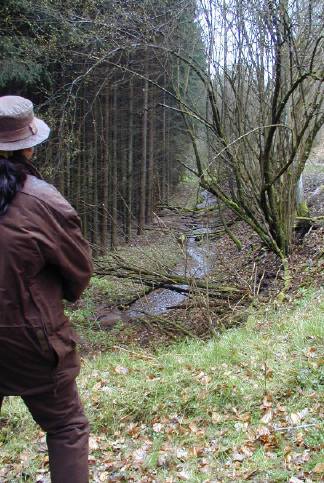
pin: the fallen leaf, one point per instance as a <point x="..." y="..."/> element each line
<point x="300" y="459"/>
<point x="162" y="459"/>
<point x="25" y="456"/>
<point x="280" y="408"/>
<point x="246" y="417"/>
<point x="104" y="476"/>
<point x="311" y="352"/>
<point x="157" y="427"/>
<point x="203" y="378"/>
<point x="93" y="443"/>
<point x="133" y="430"/>
<point x="267" y="401"/>
<point x="217" y="417"/>
<point x="262" y="431"/>
<point x="181" y="453"/>
<point x="196" y="451"/>
<point x="268" y="439"/>
<point x="319" y="468"/>
<point x="248" y="476"/>
<point x="139" y="455"/>
<point x="299" y="439"/>
<point x="184" y="475"/>
<point x="193" y="427"/>
<point x="240" y="426"/>
<point x="287" y="449"/>
<point x="268" y="372"/>
<point x="267" y="417"/>
<point x="121" y="370"/>
<point x="294" y="418"/>
<point x="303" y="413"/>
<point x="238" y="457"/>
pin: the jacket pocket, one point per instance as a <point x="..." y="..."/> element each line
<point x="46" y="349"/>
<point x="46" y="300"/>
<point x="64" y="344"/>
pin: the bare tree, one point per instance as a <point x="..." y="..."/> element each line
<point x="266" y="102"/>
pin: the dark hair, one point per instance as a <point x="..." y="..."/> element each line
<point x="13" y="174"/>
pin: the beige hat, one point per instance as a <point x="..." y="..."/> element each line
<point x="19" y="128"/>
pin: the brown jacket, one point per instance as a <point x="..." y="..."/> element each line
<point x="43" y="260"/>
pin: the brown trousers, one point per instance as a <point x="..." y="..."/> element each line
<point x="60" y="415"/>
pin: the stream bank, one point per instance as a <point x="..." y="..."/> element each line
<point x="192" y="235"/>
<point x="182" y="240"/>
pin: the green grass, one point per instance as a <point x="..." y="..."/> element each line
<point x="187" y="411"/>
<point x="159" y="255"/>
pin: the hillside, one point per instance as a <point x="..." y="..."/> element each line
<point x="245" y="405"/>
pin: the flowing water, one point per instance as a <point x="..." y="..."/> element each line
<point x="195" y="264"/>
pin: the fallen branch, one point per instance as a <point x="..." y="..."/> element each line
<point x="175" y="283"/>
<point x="312" y="219"/>
<point x="181" y="209"/>
<point x="150" y="276"/>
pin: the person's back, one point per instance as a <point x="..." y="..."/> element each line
<point x="41" y="253"/>
<point x="43" y="260"/>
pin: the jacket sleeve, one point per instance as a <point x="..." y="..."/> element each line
<point x="63" y="246"/>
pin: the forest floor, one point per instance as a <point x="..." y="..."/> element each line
<point x="236" y="396"/>
<point x="256" y="272"/>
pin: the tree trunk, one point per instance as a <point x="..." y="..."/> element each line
<point x="105" y="170"/>
<point x="130" y="161"/>
<point x="114" y="177"/>
<point x="150" y="168"/>
<point x="142" y="193"/>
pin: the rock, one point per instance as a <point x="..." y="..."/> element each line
<point x="109" y="317"/>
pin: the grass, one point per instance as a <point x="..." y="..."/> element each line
<point x="159" y="254"/>
<point x="200" y="411"/>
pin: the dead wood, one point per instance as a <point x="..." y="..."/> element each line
<point x="120" y="269"/>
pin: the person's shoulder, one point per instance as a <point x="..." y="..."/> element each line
<point x="47" y="195"/>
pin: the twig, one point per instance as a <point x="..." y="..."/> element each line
<point x="260" y="282"/>
<point x="166" y="324"/>
<point x="300" y="426"/>
<point x="136" y="354"/>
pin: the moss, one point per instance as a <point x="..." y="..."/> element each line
<point x="302" y="209"/>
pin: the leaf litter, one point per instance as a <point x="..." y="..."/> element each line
<point x="222" y="443"/>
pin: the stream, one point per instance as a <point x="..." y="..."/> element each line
<point x="195" y="264"/>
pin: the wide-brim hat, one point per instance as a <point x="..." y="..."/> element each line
<point x="19" y="128"/>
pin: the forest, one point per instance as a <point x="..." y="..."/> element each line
<point x="189" y="137"/>
<point x="88" y="66"/>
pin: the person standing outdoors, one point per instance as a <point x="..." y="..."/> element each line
<point x="43" y="260"/>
